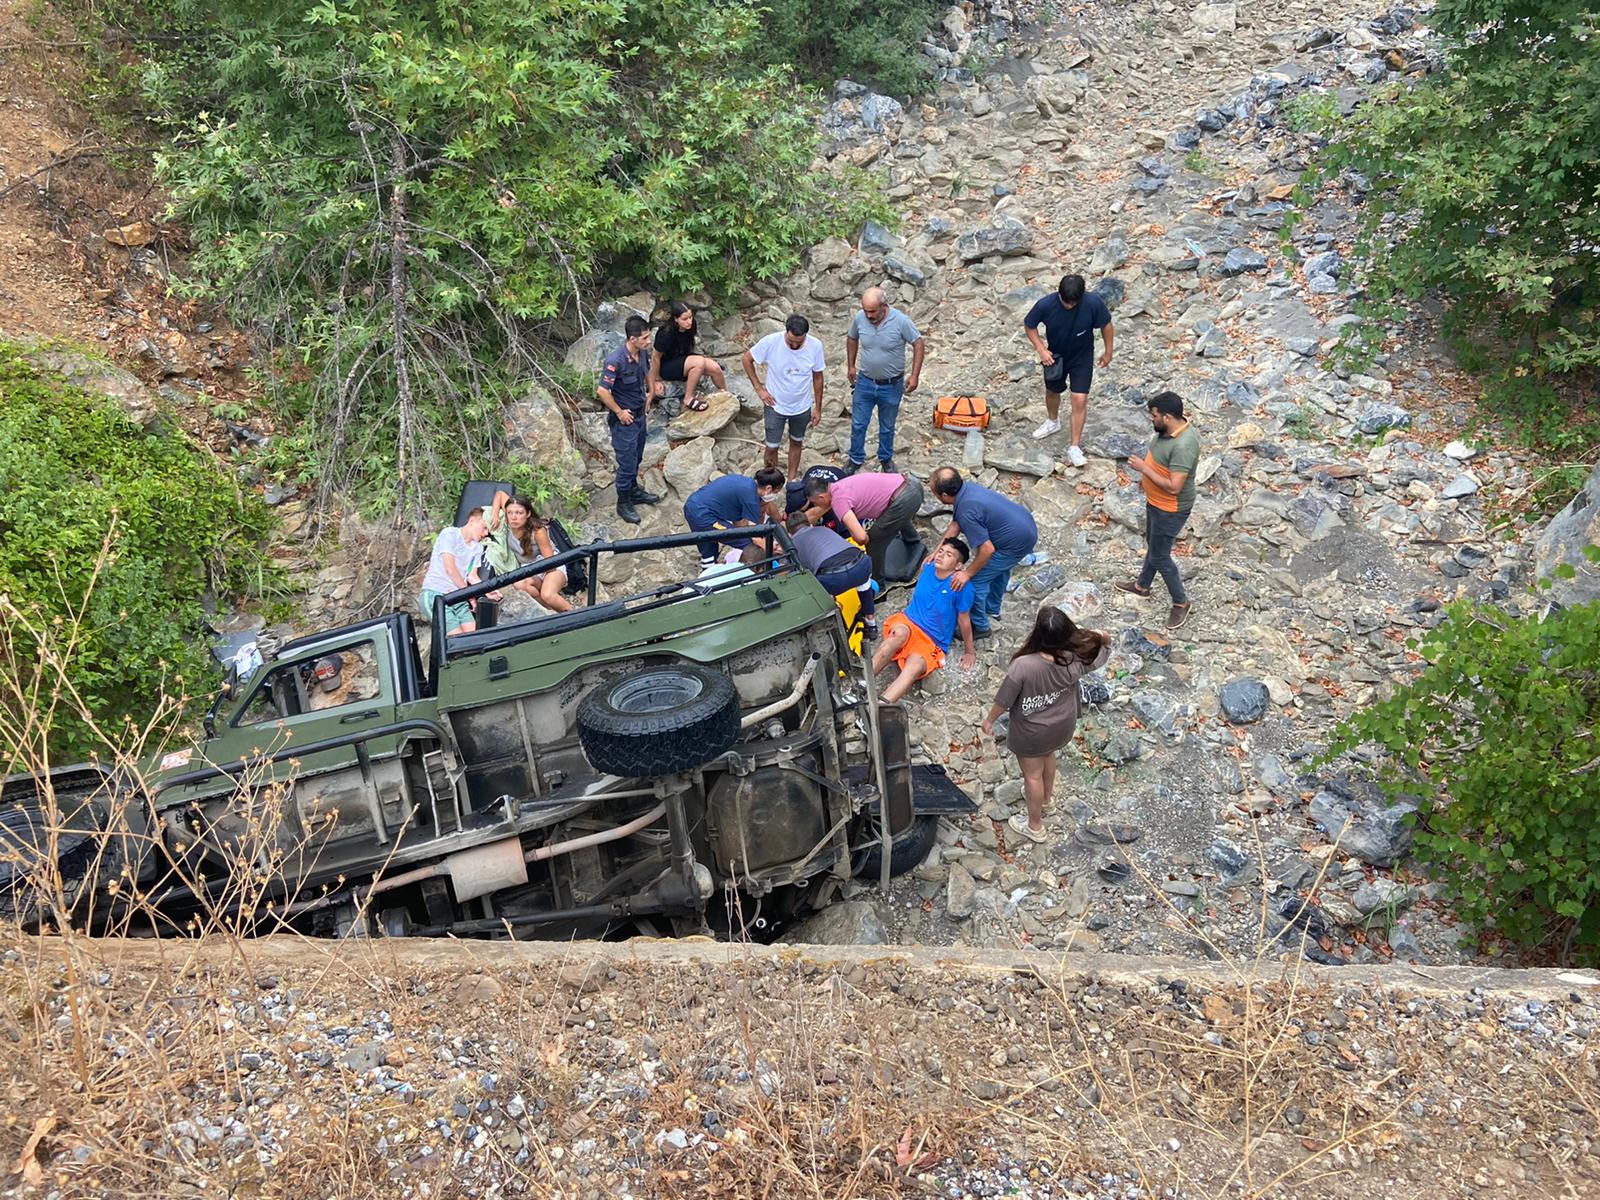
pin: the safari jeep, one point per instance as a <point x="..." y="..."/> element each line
<point x="704" y="756"/>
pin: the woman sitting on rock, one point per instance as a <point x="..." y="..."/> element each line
<point x="518" y="536"/>
<point x="675" y="360"/>
<point x="1041" y="692"/>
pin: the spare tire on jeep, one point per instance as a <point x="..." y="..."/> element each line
<point x="659" y="721"/>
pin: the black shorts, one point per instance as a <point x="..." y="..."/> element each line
<point x="672" y="369"/>
<point x="1073" y="377"/>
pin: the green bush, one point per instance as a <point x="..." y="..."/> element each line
<point x="1484" y="180"/>
<point x="1314" y="110"/>
<point x="875" y="42"/>
<point x="399" y="195"/>
<point x="74" y="471"/>
<point x="1502" y="728"/>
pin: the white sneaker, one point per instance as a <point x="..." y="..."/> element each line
<point x="1075" y="457"/>
<point x="1049" y="427"/>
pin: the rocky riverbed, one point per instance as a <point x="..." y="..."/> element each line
<point x="1156" y="150"/>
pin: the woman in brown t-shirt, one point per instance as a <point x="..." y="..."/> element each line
<point x="1041" y="691"/>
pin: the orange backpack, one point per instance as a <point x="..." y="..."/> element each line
<point x="961" y="412"/>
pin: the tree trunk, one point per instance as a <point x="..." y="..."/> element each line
<point x="398" y="308"/>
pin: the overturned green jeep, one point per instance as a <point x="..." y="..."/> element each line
<point x="707" y="756"/>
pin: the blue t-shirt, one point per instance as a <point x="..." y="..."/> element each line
<point x="1069" y="332"/>
<point x="935" y="608"/>
<point x="726" y="500"/>
<point x="987" y="516"/>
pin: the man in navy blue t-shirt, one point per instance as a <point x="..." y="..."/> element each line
<point x="1066" y="352"/>
<point x="733" y="500"/>
<point x="1001" y="533"/>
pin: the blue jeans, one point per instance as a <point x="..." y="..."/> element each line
<point x="885" y="398"/>
<point x="989" y="587"/>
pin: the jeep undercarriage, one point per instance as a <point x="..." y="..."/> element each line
<point x="706" y="756"/>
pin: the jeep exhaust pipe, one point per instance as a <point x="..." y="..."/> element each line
<point x="538" y="854"/>
<point x="785" y="703"/>
<point x="572" y="845"/>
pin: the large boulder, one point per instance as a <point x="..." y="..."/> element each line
<point x="830" y="288"/>
<point x="1244" y="701"/>
<point x="741" y="387"/>
<point x="830" y="254"/>
<point x="689" y="466"/>
<point x="594" y="432"/>
<point x="1061" y="93"/>
<point x="605" y="330"/>
<point x="1215" y="18"/>
<point x="657" y="445"/>
<point x="83" y="370"/>
<point x="1013" y="452"/>
<point x="721" y="407"/>
<point x="1079" y="599"/>
<point x="844" y="923"/>
<point x="613" y="314"/>
<point x="536" y="433"/>
<point x="876" y="238"/>
<point x="903" y="266"/>
<point x="1364" y="827"/>
<point x="1004" y="235"/>
<point x="1569" y="531"/>
<point x="588" y="352"/>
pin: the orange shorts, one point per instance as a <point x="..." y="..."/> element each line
<point x="917" y="643"/>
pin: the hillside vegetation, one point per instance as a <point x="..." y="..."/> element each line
<point x="120" y="532"/>
<point x="401" y="198"/>
<point x="1485" y="192"/>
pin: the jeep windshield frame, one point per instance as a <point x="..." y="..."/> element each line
<point x="780" y="560"/>
<point x="394" y="630"/>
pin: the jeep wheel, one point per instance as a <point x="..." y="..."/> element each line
<point x="659" y="721"/>
<point x="909" y="847"/>
<point x="29" y="882"/>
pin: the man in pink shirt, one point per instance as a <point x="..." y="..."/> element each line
<point x="887" y="499"/>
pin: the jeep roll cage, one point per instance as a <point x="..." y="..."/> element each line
<point x="779" y="560"/>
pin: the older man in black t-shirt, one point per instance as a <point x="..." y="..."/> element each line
<point x="1066" y="352"/>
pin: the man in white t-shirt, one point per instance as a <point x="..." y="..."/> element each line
<point x="793" y="390"/>
<point x="455" y="558"/>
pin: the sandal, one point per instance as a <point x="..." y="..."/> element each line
<point x="1019" y="823"/>
<point x="697" y="404"/>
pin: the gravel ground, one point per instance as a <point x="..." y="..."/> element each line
<point x="443" y="1069"/>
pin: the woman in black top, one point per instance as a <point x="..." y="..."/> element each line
<point x="676" y="360"/>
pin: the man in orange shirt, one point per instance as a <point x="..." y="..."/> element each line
<point x="1168" y="474"/>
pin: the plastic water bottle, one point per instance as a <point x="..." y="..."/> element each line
<point x="972" y="452"/>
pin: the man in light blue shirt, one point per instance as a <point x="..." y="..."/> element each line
<point x="879" y="335"/>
